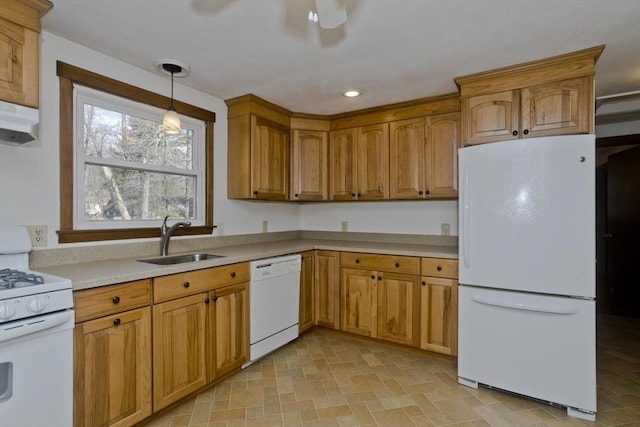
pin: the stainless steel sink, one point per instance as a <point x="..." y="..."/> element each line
<point x="179" y="259"/>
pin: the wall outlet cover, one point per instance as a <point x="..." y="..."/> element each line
<point x="344" y="226"/>
<point x="38" y="234"/>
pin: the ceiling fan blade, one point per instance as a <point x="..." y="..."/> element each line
<point x="331" y="13"/>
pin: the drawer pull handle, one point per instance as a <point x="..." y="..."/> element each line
<point x="233" y="274"/>
<point x="116" y="300"/>
<point x="373" y="276"/>
<point x="424" y="283"/>
<point x="117" y="321"/>
<point x="186" y="284"/>
<point x="357" y="261"/>
<point x="397" y="264"/>
<point x="439" y="268"/>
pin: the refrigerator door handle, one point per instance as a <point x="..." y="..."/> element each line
<point x="464" y="226"/>
<point x="504" y="303"/>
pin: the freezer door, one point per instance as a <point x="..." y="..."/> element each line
<point x="538" y="346"/>
<point x="527" y="215"/>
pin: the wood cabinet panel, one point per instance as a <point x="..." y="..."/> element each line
<point x="327" y="289"/>
<point x="358" y="302"/>
<point x="112" y="370"/>
<point x="442" y="136"/>
<point x="343" y="163"/>
<point x="178" y="285"/>
<point x="378" y="262"/>
<point x="373" y="162"/>
<point x="309" y="165"/>
<point x="230" y="319"/>
<point x="492" y="117"/>
<point x="440" y="267"/>
<point x="399" y="308"/>
<point x="439" y="315"/>
<point x="180" y="349"/>
<point x="407" y="159"/>
<point x="269" y="160"/>
<point x="306" y="307"/>
<point x="103" y="301"/>
<point x="19" y="68"/>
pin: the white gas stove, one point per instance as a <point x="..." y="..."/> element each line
<point x="36" y="338"/>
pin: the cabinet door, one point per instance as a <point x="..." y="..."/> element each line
<point x="179" y="348"/>
<point x="327" y="289"/>
<point x="306" y="318"/>
<point x="439" y="315"/>
<point x="230" y="328"/>
<point x="343" y="178"/>
<point x="442" y="155"/>
<point x="398" y="308"/>
<point x="309" y="167"/>
<point x="269" y="160"/>
<point x="407" y="159"/>
<point x="358" y="302"/>
<point x="490" y="118"/>
<point x="557" y="108"/>
<point x="112" y="378"/>
<point x="19" y="65"/>
<point x="373" y="162"/>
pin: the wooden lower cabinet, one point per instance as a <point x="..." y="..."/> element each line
<point x="358" y="301"/>
<point x="327" y="289"/>
<point x="230" y="325"/>
<point x="112" y="373"/>
<point x="399" y="308"/>
<point x="306" y="317"/>
<point x="180" y="348"/>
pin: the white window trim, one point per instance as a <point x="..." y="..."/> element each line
<point x="84" y="95"/>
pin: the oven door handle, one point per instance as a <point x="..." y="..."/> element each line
<point x="32" y="325"/>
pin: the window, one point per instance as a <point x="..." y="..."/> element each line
<point x="127" y="174"/>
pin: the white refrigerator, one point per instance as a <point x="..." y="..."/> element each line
<point x="527" y="269"/>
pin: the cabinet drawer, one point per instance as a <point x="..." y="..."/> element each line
<point x="392" y="263"/>
<point x="166" y="288"/>
<point x="440" y="267"/>
<point x="103" y="301"/>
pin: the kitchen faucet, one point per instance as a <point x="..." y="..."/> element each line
<point x="167" y="232"/>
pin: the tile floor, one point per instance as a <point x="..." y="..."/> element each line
<point x="327" y="379"/>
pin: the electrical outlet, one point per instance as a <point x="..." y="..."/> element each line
<point x="220" y="228"/>
<point x="38" y="234"/>
<point x="344" y="226"/>
<point x="445" y="228"/>
<point x="265" y="226"/>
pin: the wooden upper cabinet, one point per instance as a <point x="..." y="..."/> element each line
<point x="309" y="165"/>
<point x="19" y="50"/>
<point x="407" y="159"/>
<point x="556" y="108"/>
<point x="269" y="160"/>
<point x="442" y="132"/>
<point x="553" y="96"/>
<point x="343" y="163"/>
<point x="490" y="118"/>
<point x="373" y="162"/>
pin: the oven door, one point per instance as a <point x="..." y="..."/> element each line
<point x="36" y="371"/>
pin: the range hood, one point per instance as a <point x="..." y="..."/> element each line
<point x="18" y="124"/>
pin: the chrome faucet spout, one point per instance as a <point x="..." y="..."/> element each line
<point x="166" y="233"/>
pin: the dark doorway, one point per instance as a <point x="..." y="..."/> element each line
<point x="618" y="233"/>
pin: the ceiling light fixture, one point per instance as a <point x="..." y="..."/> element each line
<point x="171" y="120"/>
<point x="351" y="93"/>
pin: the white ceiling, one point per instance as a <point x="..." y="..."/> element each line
<point x="392" y="50"/>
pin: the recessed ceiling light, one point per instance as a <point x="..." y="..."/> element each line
<point x="351" y="93"/>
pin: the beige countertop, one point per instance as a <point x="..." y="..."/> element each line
<point x="105" y="272"/>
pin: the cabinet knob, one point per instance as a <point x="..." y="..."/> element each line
<point x="514" y="133"/>
<point x="439" y="268"/>
<point x="359" y="194"/>
<point x="206" y="300"/>
<point x="116" y="300"/>
<point x="397" y="264"/>
<point x="295" y="195"/>
<point x="424" y="283"/>
<point x="117" y="321"/>
<point x="255" y="193"/>
<point x="233" y="274"/>
<point x="421" y="192"/>
<point x="186" y="284"/>
<point x="353" y="194"/>
<point x="357" y="261"/>
<point x="379" y="277"/>
<point x="526" y="131"/>
<point x="427" y="192"/>
<point x="373" y="276"/>
<point x="215" y="298"/>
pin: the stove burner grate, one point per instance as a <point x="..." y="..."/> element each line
<point x="10" y="278"/>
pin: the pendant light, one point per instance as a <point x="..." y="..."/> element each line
<point x="171" y="120"/>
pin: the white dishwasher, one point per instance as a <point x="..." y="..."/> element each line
<point x="274" y="303"/>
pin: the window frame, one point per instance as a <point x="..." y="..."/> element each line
<point x="69" y="76"/>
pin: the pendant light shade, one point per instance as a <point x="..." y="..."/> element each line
<point x="171" y="120"/>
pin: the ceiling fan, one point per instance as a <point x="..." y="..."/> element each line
<point x="331" y="13"/>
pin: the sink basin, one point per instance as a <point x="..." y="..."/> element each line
<point x="179" y="259"/>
